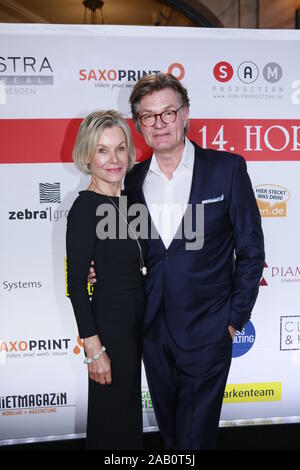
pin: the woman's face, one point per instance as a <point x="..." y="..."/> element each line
<point x="110" y="161"/>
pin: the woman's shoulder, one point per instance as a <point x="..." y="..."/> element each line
<point x="85" y="203"/>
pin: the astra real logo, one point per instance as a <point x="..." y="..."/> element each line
<point x="26" y="70"/>
<point x="271" y="200"/>
<point x="108" y="77"/>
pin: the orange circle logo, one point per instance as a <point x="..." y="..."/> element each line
<point x="177" y="68"/>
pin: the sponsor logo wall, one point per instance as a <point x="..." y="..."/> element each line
<point x="244" y="88"/>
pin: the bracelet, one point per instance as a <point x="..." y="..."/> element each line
<point x="89" y="360"/>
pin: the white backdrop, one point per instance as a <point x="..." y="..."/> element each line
<point x="244" y="88"/>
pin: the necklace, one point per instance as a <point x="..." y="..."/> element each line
<point x="143" y="268"/>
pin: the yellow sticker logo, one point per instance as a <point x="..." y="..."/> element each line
<point x="252" y="392"/>
<point x="271" y="200"/>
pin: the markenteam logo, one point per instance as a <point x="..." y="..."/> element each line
<point x="107" y="77"/>
<point x="252" y="392"/>
<point x="271" y="200"/>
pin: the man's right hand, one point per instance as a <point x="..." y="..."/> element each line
<point x="92" y="275"/>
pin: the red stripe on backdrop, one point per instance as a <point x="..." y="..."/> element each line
<point x="52" y="140"/>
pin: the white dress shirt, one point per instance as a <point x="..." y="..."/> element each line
<point x="166" y="198"/>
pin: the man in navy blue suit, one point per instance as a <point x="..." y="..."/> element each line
<point x="197" y="297"/>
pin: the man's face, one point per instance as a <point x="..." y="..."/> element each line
<point x="161" y="137"/>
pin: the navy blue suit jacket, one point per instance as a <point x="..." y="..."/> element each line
<point x="202" y="291"/>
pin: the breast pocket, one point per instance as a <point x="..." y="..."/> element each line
<point x="215" y="217"/>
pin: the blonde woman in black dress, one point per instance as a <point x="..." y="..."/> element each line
<point x="111" y="323"/>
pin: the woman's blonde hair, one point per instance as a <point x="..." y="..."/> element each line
<point x="89" y="133"/>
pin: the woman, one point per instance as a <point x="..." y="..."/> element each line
<point x="111" y="324"/>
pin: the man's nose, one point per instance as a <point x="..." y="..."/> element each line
<point x="159" y="122"/>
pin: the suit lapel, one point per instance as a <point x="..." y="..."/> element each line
<point x="198" y="183"/>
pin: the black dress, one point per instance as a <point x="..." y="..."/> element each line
<point x="115" y="313"/>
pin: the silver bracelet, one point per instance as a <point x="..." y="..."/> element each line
<point x="89" y="360"/>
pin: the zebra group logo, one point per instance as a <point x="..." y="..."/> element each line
<point x="49" y="193"/>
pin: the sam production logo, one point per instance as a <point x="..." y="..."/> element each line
<point x="271" y="200"/>
<point x="20" y="75"/>
<point x="49" y="193"/>
<point x="247" y="81"/>
<point x="110" y="78"/>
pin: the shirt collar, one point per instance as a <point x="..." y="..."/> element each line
<point x="187" y="158"/>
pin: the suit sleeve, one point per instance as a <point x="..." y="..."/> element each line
<point x="80" y="244"/>
<point x="248" y="245"/>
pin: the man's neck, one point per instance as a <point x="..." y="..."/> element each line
<point x="168" y="161"/>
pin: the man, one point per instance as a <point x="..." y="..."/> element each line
<point x="196" y="298"/>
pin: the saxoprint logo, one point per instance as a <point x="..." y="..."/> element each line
<point x="243" y="340"/>
<point x="111" y="78"/>
<point x="38" y="348"/>
<point x="247" y="80"/>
